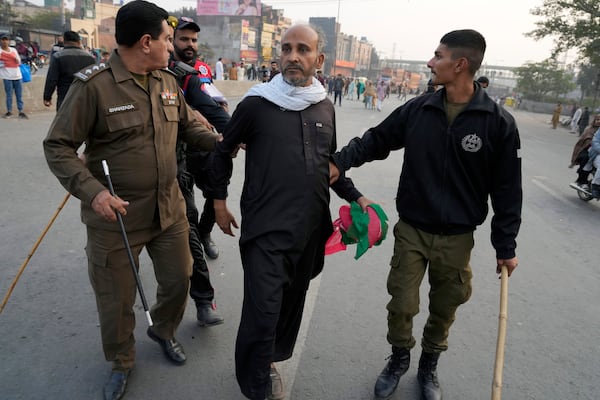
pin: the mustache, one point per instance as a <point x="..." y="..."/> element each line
<point x="293" y="66"/>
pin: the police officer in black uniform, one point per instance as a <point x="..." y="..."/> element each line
<point x="192" y="169"/>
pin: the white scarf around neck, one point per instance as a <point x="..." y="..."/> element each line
<point x="295" y="98"/>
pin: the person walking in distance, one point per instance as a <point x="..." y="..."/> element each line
<point x="274" y="70"/>
<point x="460" y="148"/>
<point x="185" y="44"/>
<point x="338" y="87"/>
<point x="63" y="65"/>
<point x="484" y="82"/>
<point x="10" y="73"/>
<point x="288" y="126"/>
<point x="381" y="93"/>
<point x="556" y="115"/>
<point x="118" y="111"/>
<point x="583" y="121"/>
<point x="233" y="71"/>
<point x="219" y="69"/>
<point x="58" y="46"/>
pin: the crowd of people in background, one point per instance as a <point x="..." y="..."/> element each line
<point x="371" y="92"/>
<point x="244" y="71"/>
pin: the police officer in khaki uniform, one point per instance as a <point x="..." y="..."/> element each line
<point x="129" y="112"/>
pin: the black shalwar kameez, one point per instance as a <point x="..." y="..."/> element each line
<point x="285" y="223"/>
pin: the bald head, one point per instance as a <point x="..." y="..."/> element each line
<point x="301" y="55"/>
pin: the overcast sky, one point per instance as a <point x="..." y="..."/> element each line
<point x="411" y="29"/>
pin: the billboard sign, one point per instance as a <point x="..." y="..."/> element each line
<point x="229" y="7"/>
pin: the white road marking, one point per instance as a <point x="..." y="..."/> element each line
<point x="289" y="367"/>
<point x="538" y="181"/>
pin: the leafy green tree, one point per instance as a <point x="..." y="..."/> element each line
<point x="587" y="79"/>
<point x="48" y="20"/>
<point x="574" y="24"/>
<point x="184" y="12"/>
<point x="6" y="13"/>
<point x="538" y="81"/>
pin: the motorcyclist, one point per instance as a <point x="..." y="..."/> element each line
<point x="580" y="154"/>
<point x="22" y="49"/>
<point x="594" y="161"/>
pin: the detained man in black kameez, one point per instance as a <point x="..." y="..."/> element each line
<point x="288" y="127"/>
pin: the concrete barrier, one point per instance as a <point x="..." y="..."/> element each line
<point x="33" y="92"/>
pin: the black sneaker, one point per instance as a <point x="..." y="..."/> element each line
<point x="22" y="115"/>
<point x="7" y="115"/>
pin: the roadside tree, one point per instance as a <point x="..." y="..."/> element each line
<point x="572" y="24"/>
<point x="539" y="81"/>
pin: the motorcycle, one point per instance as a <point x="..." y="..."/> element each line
<point x="39" y="60"/>
<point x="33" y="66"/>
<point x="584" y="191"/>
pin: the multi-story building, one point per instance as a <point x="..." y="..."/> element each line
<point x="344" y="54"/>
<point x="252" y="39"/>
<point x="225" y="34"/>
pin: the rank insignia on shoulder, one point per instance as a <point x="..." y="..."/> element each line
<point x="88" y="72"/>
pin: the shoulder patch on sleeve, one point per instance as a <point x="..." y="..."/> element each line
<point x="89" y="72"/>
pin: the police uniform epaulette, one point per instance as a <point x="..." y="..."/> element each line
<point x="89" y="72"/>
<point x="170" y="72"/>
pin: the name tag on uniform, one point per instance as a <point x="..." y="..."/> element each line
<point x="121" y="108"/>
<point x="319" y="125"/>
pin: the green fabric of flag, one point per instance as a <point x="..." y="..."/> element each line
<point x="358" y="231"/>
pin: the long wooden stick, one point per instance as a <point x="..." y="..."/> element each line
<point x="32" y="251"/>
<point x="502" y="320"/>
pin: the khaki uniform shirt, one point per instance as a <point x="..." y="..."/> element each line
<point x="135" y="130"/>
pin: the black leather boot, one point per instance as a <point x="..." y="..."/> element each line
<point x="427" y="377"/>
<point x="210" y="248"/>
<point x="207" y="315"/>
<point x="397" y="366"/>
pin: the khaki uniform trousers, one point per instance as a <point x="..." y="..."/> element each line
<point x="446" y="257"/>
<point x="114" y="285"/>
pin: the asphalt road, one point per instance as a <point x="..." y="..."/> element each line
<point x="49" y="336"/>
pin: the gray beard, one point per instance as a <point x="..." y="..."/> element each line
<point x="297" y="81"/>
